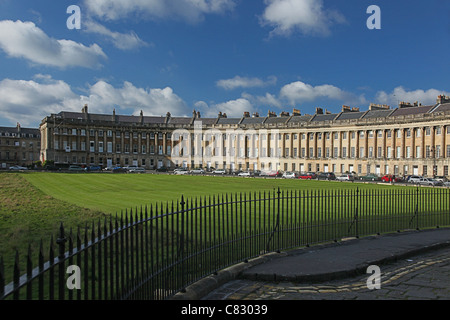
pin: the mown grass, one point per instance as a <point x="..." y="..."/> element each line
<point x="112" y="193"/>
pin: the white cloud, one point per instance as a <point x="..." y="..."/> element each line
<point x="123" y="41"/>
<point x="30" y="101"/>
<point x="306" y="16"/>
<point x="103" y="95"/>
<point x="300" y="92"/>
<point x="399" y="94"/>
<point x="297" y="92"/>
<point x="25" y="40"/>
<point x="189" y="10"/>
<point x="245" y="82"/>
<point x="233" y="108"/>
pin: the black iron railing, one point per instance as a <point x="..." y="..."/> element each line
<point x="155" y="252"/>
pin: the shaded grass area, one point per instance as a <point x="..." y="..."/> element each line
<point x="28" y="215"/>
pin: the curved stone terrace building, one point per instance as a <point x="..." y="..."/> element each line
<point x="410" y="139"/>
<point x="19" y="146"/>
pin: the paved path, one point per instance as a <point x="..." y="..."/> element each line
<point x="413" y="264"/>
<point x="423" y="277"/>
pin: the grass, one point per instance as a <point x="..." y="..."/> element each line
<point x="32" y="205"/>
<point x="28" y="215"/>
<point x="113" y="193"/>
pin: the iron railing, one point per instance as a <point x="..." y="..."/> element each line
<point x="155" y="252"/>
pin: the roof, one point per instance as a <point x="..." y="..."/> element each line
<point x="253" y="120"/>
<point x="229" y="121"/>
<point x="371" y="114"/>
<point x="411" y="111"/>
<point x="324" y="117"/>
<point x="273" y="120"/>
<point x="350" y="115"/>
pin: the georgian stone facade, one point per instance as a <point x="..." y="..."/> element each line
<point x="19" y="146"/>
<point x="410" y="139"/>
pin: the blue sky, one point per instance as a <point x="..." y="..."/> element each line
<point x="218" y="55"/>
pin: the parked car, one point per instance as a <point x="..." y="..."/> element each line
<point x="75" y="168"/>
<point x="162" y="169"/>
<point x="257" y="173"/>
<point x="370" y="177"/>
<point x="326" y="176"/>
<point x="119" y="170"/>
<point x="93" y="168"/>
<point x="18" y="168"/>
<point x="346" y="177"/>
<point x="447" y="184"/>
<point x="289" y="175"/>
<point x="391" y="178"/>
<point x="441" y="178"/>
<point x="181" y="171"/>
<point x="414" y="179"/>
<point x="51" y="168"/>
<point x="307" y="176"/>
<point x="244" y="174"/>
<point x="219" y="171"/>
<point x="136" y="170"/>
<point x="430" y="182"/>
<point x="198" y="171"/>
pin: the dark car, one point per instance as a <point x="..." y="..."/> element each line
<point x="162" y="169"/>
<point x="93" y="168"/>
<point x="119" y="170"/>
<point x="326" y="176"/>
<point x="51" y="168"/>
<point x="370" y="177"/>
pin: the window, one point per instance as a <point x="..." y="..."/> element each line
<point x="74" y="132"/>
<point x="83" y="146"/>
<point x="100" y="133"/>
<point x="83" y="132"/>
<point x="438" y="152"/>
<point x="428" y="131"/>
<point x="92" y="146"/>
<point x="370" y="152"/>
<point x="118" y="148"/>
<point x="109" y="147"/>
<point x="109" y="133"/>
<point x="344" y="152"/>
<point x="100" y="146"/>
<point x="408" y="152"/>
<point x="319" y="152"/>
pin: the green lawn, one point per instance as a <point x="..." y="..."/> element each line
<point x="112" y="193"/>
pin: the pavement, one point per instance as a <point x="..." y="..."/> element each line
<point x="337" y="268"/>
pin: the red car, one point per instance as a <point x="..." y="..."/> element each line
<point x="307" y="176"/>
<point x="391" y="178"/>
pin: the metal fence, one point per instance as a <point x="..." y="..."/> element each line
<point x="155" y="252"/>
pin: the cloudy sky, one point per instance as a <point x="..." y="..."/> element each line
<point x="218" y="55"/>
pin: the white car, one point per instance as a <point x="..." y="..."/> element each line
<point x="136" y="170"/>
<point x="430" y="182"/>
<point x="244" y="174"/>
<point x="289" y="175"/>
<point x="219" y="171"/>
<point x="180" y="171"/>
<point x="415" y="179"/>
<point x="345" y="177"/>
<point x="17" y="168"/>
<point x="198" y="171"/>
